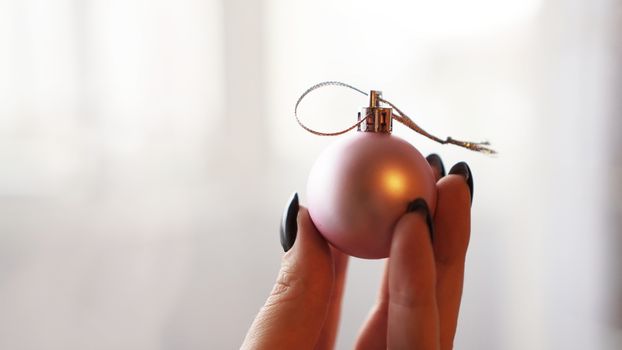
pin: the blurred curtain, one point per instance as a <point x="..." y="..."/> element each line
<point x="89" y="85"/>
<point x="146" y="149"/>
<point x="109" y="111"/>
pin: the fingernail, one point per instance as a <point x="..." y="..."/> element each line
<point x="420" y="205"/>
<point x="463" y="169"/>
<point x="436" y="162"/>
<point x="289" y="223"/>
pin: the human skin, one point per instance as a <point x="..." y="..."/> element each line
<point x="419" y="298"/>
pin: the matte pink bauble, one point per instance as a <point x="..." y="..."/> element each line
<point x="361" y="185"/>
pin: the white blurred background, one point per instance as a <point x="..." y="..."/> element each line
<point x="147" y="149"/>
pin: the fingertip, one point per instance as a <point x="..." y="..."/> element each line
<point x="304" y="219"/>
<point x="436" y="163"/>
<point x="463" y="169"/>
<point x="309" y="234"/>
<point x="455" y="190"/>
<point x="421" y="206"/>
<point x="412" y="235"/>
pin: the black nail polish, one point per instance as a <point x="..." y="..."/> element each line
<point x="437" y="162"/>
<point x="463" y="169"/>
<point x="289" y="223"/>
<point x="420" y="205"/>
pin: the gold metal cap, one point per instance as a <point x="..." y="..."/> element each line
<point x="378" y="119"/>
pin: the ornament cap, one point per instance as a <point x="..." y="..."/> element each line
<point x="377" y="118"/>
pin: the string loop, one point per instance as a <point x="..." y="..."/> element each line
<point x="321" y="85"/>
<point x="397" y="115"/>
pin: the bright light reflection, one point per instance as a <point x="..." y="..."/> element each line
<point x="394" y="182"/>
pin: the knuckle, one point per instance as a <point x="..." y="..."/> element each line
<point x="288" y="286"/>
<point x="455" y="257"/>
<point x="419" y="294"/>
<point x="413" y="300"/>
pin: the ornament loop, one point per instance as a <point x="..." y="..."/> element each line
<point x="400" y="116"/>
<point x="320" y="85"/>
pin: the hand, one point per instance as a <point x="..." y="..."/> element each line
<point x="419" y="300"/>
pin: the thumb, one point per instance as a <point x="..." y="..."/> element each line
<point x="295" y="311"/>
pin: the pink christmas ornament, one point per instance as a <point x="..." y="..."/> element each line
<point x="361" y="185"/>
